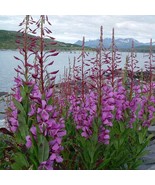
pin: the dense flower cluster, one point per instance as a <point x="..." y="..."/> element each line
<point x="141" y="106"/>
<point x="12" y="118"/>
<point x="121" y="102"/>
<point x="115" y="106"/>
<point x="50" y="124"/>
<point x="84" y="112"/>
<point x="13" y="112"/>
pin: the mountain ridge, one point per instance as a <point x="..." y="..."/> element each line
<point x="121" y="43"/>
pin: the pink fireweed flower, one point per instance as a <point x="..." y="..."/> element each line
<point x="142" y="107"/>
<point x="84" y="112"/>
<point x="13" y="124"/>
<point x="86" y="132"/>
<point x="13" y="118"/>
<point x="108" y="106"/>
<point x="104" y="135"/>
<point x="50" y="125"/>
<point x="28" y="142"/>
<point x="33" y="131"/>
<point x="44" y="110"/>
<point x="121" y="102"/>
<point x="56" y="157"/>
<point x="18" y="81"/>
<point x="17" y="95"/>
<point x="35" y="94"/>
<point x="33" y="109"/>
<point x="56" y="129"/>
<point x="46" y="165"/>
<point x="49" y="93"/>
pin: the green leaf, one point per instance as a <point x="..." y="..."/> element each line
<point x="104" y="164"/>
<point x="116" y="144"/>
<point x="34" y="149"/>
<point x="22" y="92"/>
<point x="20" y="162"/>
<point x="19" y="107"/>
<point x="150" y="136"/>
<point x="138" y="109"/>
<point x="121" y="126"/>
<point x="16" y="166"/>
<point x="34" y="162"/>
<point x="141" y="138"/>
<point x="43" y="148"/>
<point x="143" y="153"/>
<point x="121" y="140"/>
<point x="19" y="138"/>
<point x="23" y="127"/>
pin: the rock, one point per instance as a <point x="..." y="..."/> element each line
<point x="152" y="167"/>
<point x="151" y="129"/>
<point x="150" y="157"/>
<point x="2" y="110"/>
<point x="3" y="93"/>
<point x="2" y="123"/>
<point x="152" y="142"/>
<point x="151" y="148"/>
<point x="144" y="166"/>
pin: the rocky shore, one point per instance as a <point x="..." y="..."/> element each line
<point x="149" y="159"/>
<point x="2" y="105"/>
<point x="3" y="93"/>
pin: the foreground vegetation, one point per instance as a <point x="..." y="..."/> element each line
<point x="95" y="118"/>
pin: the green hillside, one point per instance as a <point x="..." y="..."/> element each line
<point x="8" y="38"/>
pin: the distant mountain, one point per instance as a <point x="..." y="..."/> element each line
<point x="120" y="43"/>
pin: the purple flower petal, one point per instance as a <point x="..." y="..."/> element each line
<point x="49" y="108"/>
<point x="33" y="130"/>
<point x="13" y="128"/>
<point x="61" y="134"/>
<point x="49" y="93"/>
<point x="53" y="157"/>
<point x="44" y="115"/>
<point x="28" y="142"/>
<point x="43" y="102"/>
<point x="59" y="159"/>
<point x="55" y="147"/>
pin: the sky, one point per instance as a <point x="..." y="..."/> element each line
<point x="70" y="28"/>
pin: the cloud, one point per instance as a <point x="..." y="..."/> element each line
<point x="10" y="22"/>
<point x="70" y="28"/>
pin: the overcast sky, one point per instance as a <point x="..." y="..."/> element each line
<point x="70" y="28"/>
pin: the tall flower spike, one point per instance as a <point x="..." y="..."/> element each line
<point x="26" y="44"/>
<point x="149" y="66"/>
<point x="43" y="56"/>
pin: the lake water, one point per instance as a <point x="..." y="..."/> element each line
<point x="8" y="63"/>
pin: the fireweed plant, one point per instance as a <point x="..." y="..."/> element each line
<point x="95" y="118"/>
<point x="36" y="124"/>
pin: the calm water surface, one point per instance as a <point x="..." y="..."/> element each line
<point x="8" y="63"/>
